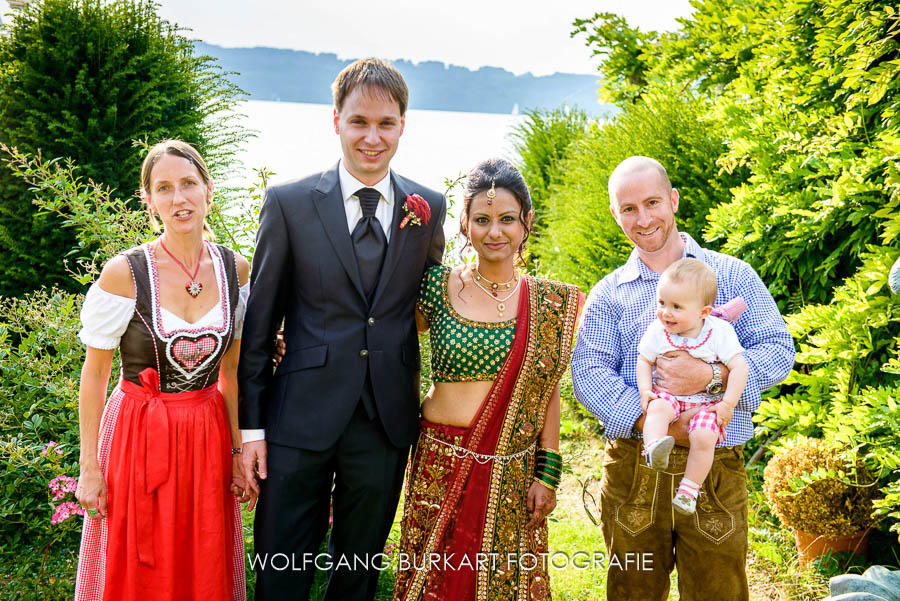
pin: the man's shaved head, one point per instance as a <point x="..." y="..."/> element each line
<point x="631" y="166"/>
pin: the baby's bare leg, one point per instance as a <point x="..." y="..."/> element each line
<point x="659" y="415"/>
<point x="657" y="443"/>
<point x="700" y="457"/>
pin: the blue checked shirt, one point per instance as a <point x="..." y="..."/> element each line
<point x="623" y="304"/>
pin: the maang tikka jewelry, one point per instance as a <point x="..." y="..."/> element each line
<point x="491" y="194"/>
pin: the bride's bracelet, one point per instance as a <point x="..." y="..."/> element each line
<point x="546" y="485"/>
<point x="548" y="468"/>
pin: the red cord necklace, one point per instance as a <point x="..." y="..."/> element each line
<point x="193" y="287"/>
<point x="686" y="347"/>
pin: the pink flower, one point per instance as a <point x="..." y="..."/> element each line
<point x="64" y="511"/>
<point x="51" y="446"/>
<point x="62" y="485"/>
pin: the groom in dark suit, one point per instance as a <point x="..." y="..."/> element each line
<point x="339" y="257"/>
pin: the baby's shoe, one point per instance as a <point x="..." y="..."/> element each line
<point x="658" y="451"/>
<point x="684" y="503"/>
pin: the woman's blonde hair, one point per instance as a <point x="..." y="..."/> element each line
<point x="181" y="149"/>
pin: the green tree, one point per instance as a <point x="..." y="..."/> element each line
<point x="541" y="141"/>
<point x="814" y="116"/>
<point x="627" y="54"/>
<point x="84" y="79"/>
<point x="704" y="54"/>
<point x="806" y="93"/>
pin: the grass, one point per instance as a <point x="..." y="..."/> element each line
<point x="571" y="528"/>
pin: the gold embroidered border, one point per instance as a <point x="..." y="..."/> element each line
<point x="549" y="347"/>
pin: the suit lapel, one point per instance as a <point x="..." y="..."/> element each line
<point x="329" y="204"/>
<point x="398" y="238"/>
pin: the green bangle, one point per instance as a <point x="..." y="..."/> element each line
<point x="547" y="479"/>
<point x="549" y="471"/>
<point x="545" y="485"/>
<point x="554" y="458"/>
<point x="550" y="462"/>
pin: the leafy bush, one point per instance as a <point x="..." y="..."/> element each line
<point x="814" y="115"/>
<point x="40" y="360"/>
<point x="84" y="79"/>
<point x="626" y="63"/>
<point x="845" y="387"/>
<point x="540" y="142"/>
<point x="806" y="95"/>
<point x="817" y="488"/>
<point x="581" y="242"/>
<point x="40" y="363"/>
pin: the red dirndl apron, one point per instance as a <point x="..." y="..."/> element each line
<point x="171" y="516"/>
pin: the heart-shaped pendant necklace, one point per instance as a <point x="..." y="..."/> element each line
<point x="193" y="287"/>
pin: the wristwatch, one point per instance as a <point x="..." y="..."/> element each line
<point x="715" y="385"/>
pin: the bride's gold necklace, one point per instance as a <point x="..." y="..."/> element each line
<point x="491" y="288"/>
<point x="494" y="286"/>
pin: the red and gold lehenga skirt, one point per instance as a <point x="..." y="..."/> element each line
<point x="464" y="534"/>
<point x="173" y="528"/>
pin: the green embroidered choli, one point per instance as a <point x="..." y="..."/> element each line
<point x="462" y="350"/>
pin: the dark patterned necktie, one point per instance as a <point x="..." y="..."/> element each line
<point x="369" y="240"/>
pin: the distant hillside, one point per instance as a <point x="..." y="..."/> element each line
<point x="297" y="76"/>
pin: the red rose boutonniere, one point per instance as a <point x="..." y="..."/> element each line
<point x="417" y="211"/>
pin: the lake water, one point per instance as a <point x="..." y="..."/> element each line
<point x="296" y="139"/>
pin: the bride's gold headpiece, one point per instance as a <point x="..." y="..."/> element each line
<point x="491" y="193"/>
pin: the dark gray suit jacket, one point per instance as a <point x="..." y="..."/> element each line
<point x="305" y="272"/>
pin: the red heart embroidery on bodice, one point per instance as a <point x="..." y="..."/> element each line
<point x="189" y="352"/>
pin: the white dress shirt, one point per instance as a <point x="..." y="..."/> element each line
<point x="385" y="210"/>
<point x="385" y="214"/>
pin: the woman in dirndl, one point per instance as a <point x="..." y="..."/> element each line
<point x="160" y="477"/>
<point x="485" y="469"/>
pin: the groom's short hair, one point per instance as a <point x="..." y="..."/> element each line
<point x="370" y="72"/>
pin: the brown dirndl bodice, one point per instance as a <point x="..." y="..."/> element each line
<point x="188" y="359"/>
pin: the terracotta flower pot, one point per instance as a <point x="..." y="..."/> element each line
<point x="811" y="546"/>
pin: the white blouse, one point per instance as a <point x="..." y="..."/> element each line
<point x="105" y="316"/>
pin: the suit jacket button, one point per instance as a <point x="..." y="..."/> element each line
<point x="364" y="353"/>
<point x="371" y="321"/>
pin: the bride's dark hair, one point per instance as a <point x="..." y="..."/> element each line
<point x="501" y="174"/>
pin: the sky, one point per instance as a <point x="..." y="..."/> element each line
<point x="518" y="36"/>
